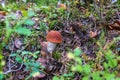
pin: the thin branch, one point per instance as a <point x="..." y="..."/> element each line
<point x="10" y="70"/>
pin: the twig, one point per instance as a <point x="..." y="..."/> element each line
<point x="10" y="70"/>
<point x="105" y="47"/>
<point x="118" y="14"/>
<point x="9" y="63"/>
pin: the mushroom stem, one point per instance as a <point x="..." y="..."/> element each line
<point x="51" y="46"/>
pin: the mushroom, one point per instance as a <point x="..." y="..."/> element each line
<point x="53" y="37"/>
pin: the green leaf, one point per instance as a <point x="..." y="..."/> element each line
<point x="105" y="65"/>
<point x="31" y="13"/>
<point x="117" y="79"/>
<point x="85" y="78"/>
<point x="78" y="68"/>
<point x="36" y="64"/>
<point x="118" y="49"/>
<point x="43" y="26"/>
<point x="54" y="15"/>
<point x="24" y="13"/>
<point x="55" y="78"/>
<point x="77" y="51"/>
<point x="109" y="55"/>
<point x="18" y="59"/>
<point x="29" y="22"/>
<point x="37" y="52"/>
<point x="109" y="76"/>
<point x="1" y="76"/>
<point x="96" y="76"/>
<point x="87" y="68"/>
<point x="112" y="63"/>
<point x="14" y="55"/>
<point x="8" y="29"/>
<point x="67" y="75"/>
<point x="24" y="31"/>
<point x="79" y="60"/>
<point x="26" y="53"/>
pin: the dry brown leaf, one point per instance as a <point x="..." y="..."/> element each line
<point x="39" y="75"/>
<point x="99" y="67"/>
<point x="83" y="10"/>
<point x="2" y="13"/>
<point x="42" y="61"/>
<point x="62" y="6"/>
<point x="106" y="45"/>
<point x="17" y="43"/>
<point x="115" y="25"/>
<point x="93" y="34"/>
<point x="44" y="51"/>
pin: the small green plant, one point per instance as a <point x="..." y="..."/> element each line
<point x="104" y="66"/>
<point x="29" y="60"/>
<point x="18" y="27"/>
<point x="53" y="15"/>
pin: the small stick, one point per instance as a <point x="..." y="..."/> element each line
<point x="105" y="47"/>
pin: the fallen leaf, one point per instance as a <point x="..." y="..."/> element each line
<point x="99" y="67"/>
<point x="39" y="75"/>
<point x="106" y="44"/>
<point x="44" y="51"/>
<point x="62" y="6"/>
<point x="2" y="13"/>
<point x="83" y="10"/>
<point x="42" y="61"/>
<point x="17" y="43"/>
<point x="115" y="25"/>
<point x="93" y="34"/>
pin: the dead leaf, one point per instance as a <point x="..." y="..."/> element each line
<point x="39" y="75"/>
<point x="62" y="6"/>
<point x="115" y="25"/>
<point x="21" y="77"/>
<point x="18" y="14"/>
<point x="2" y="13"/>
<point x="117" y="21"/>
<point x="17" y="43"/>
<point x="11" y="78"/>
<point x="93" y="34"/>
<point x="36" y="27"/>
<point x="79" y="24"/>
<point x="42" y="61"/>
<point x="106" y="44"/>
<point x="44" y="51"/>
<point x="83" y="10"/>
<point x="99" y="67"/>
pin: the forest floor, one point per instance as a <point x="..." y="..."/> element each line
<point x="94" y="41"/>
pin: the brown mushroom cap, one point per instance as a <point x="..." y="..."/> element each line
<point x="54" y="36"/>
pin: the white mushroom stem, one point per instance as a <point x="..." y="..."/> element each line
<point x="51" y="46"/>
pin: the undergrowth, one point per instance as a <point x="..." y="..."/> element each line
<point x="34" y="20"/>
